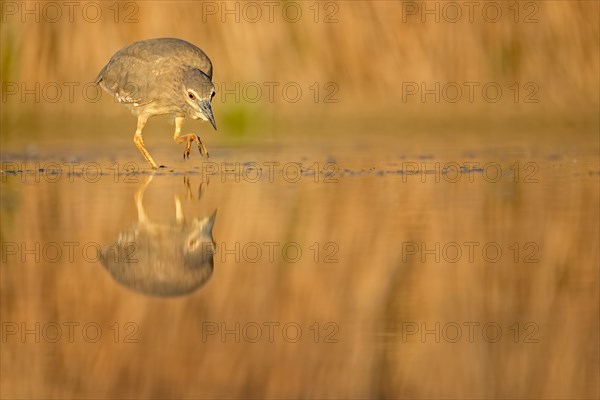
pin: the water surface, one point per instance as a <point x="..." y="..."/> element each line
<point x="458" y="270"/>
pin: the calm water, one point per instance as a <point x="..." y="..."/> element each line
<point x="447" y="271"/>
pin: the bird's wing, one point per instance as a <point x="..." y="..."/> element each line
<point x="179" y="52"/>
<point x="127" y="80"/>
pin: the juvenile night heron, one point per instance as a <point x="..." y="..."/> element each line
<point x="162" y="76"/>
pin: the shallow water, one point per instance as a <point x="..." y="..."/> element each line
<point x="447" y="271"/>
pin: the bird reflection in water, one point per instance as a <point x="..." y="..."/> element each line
<point x="170" y="259"/>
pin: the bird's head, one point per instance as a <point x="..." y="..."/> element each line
<point x="198" y="92"/>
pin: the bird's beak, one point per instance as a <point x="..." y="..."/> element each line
<point x="206" y="110"/>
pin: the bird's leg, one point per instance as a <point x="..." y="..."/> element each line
<point x="188" y="139"/>
<point x="139" y="142"/>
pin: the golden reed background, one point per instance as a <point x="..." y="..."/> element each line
<point x="368" y="52"/>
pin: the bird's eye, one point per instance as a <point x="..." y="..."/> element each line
<point x="191" y="95"/>
<point x="212" y="95"/>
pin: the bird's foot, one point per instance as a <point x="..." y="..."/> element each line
<point x="201" y="147"/>
<point x="188" y="143"/>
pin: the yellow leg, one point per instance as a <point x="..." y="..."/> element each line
<point x="188" y="139"/>
<point x="139" y="142"/>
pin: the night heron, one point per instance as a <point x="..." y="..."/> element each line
<point x="162" y="76"/>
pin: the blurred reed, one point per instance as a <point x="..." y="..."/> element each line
<point x="368" y="52"/>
